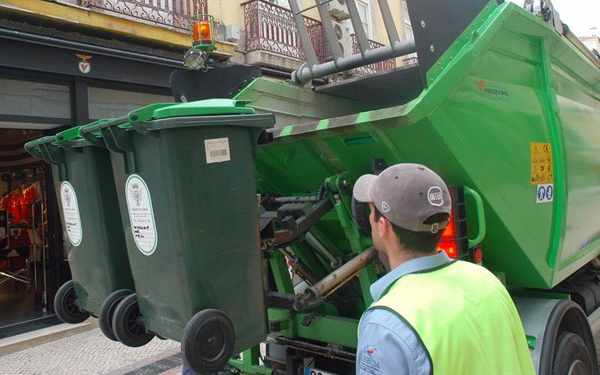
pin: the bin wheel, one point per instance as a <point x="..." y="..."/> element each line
<point x="107" y="311"/>
<point x="128" y="323"/>
<point x="572" y="357"/>
<point x="66" y="305"/>
<point x="208" y="341"/>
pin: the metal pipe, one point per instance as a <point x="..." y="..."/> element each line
<point x="299" y="268"/>
<point x="333" y="261"/>
<point x="330" y="34"/>
<point x="579" y="45"/>
<point x="309" y="50"/>
<point x="336" y="279"/>
<point x="388" y="21"/>
<point x="305" y="74"/>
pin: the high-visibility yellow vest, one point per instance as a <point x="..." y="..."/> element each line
<point x="465" y="318"/>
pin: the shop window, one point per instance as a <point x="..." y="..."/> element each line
<point x="105" y="103"/>
<point x="27" y="98"/>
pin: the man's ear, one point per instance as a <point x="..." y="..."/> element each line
<point x="384" y="226"/>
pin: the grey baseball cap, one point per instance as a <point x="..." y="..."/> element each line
<point x="407" y="195"/>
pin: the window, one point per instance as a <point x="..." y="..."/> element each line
<point x="105" y="103"/>
<point x="36" y="99"/>
<point x="364" y="13"/>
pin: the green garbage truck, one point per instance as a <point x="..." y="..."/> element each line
<point x="504" y="104"/>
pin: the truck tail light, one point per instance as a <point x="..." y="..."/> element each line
<point x="478" y="256"/>
<point x="454" y="237"/>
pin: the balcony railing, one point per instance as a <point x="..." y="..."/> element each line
<point x="171" y="13"/>
<point x="371" y="68"/>
<point x="410" y="60"/>
<point x="271" y="28"/>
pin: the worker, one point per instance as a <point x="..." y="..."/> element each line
<point x="430" y="313"/>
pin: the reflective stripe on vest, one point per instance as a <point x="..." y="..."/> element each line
<point x="465" y="318"/>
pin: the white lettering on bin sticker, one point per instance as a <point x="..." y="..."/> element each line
<point x="71" y="213"/>
<point x="217" y="150"/>
<point x="141" y="214"/>
<point x="545" y="193"/>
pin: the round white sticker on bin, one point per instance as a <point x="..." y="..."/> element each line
<point x="141" y="214"/>
<point x="71" y="213"/>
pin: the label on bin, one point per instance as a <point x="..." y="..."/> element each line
<point x="71" y="213"/>
<point x="141" y="214"/>
<point x="217" y="150"/>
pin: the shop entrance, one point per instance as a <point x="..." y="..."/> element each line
<point x="40" y="99"/>
<point x="29" y="265"/>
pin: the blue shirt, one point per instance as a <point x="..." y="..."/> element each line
<point x="387" y="345"/>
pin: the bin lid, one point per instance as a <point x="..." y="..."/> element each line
<point x="67" y="135"/>
<point x="33" y="146"/>
<point x="205" y="107"/>
<point x="166" y="113"/>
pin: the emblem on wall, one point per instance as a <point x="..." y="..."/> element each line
<point x="84" y="65"/>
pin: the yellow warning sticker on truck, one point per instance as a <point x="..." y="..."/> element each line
<point x="542" y="171"/>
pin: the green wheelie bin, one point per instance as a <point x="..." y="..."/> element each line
<point x="185" y="179"/>
<point x="95" y="242"/>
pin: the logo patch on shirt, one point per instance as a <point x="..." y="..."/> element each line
<point x="368" y="362"/>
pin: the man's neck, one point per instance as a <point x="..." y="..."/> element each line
<point x="397" y="258"/>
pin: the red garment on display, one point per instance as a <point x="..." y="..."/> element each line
<point x="14" y="206"/>
<point x="3" y="203"/>
<point x="29" y="197"/>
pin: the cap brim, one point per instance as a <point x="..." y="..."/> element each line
<point x="362" y="188"/>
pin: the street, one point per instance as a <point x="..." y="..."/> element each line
<point x="90" y="353"/>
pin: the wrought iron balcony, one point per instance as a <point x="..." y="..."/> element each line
<point x="371" y="68"/>
<point x="171" y="13"/>
<point x="271" y="28"/>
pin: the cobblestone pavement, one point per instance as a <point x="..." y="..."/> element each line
<point x="88" y="353"/>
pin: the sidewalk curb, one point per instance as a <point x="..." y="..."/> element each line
<point x="29" y="340"/>
<point x="149" y="361"/>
